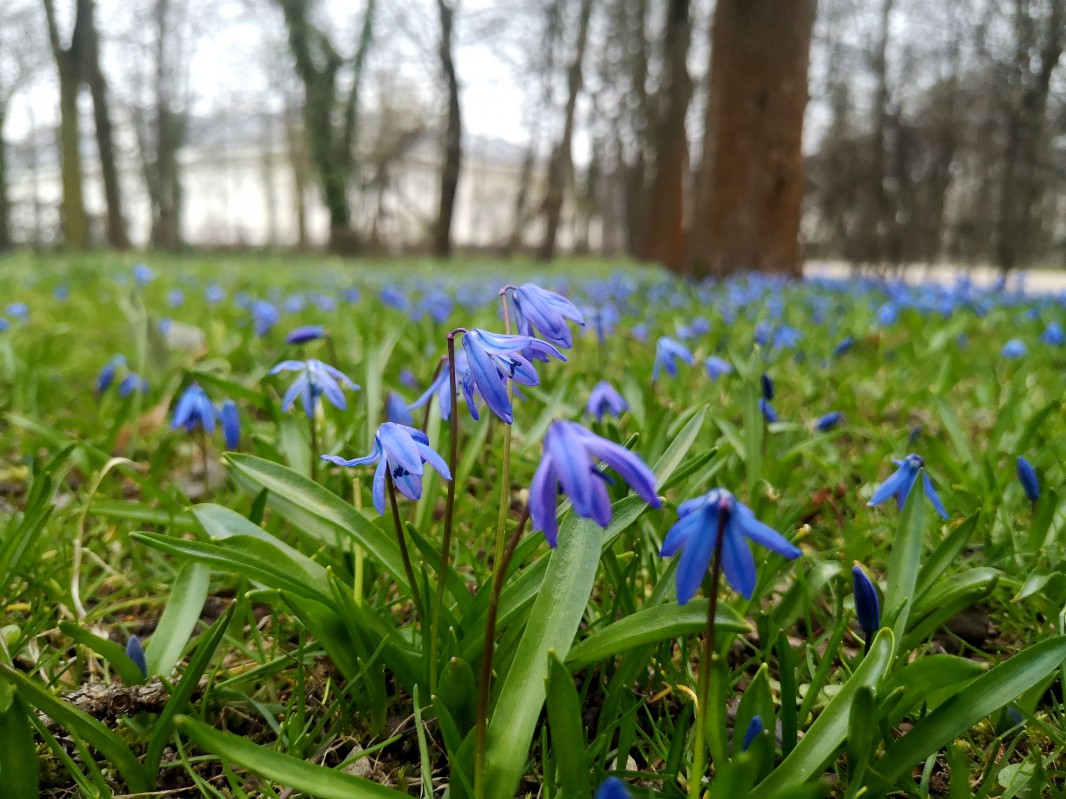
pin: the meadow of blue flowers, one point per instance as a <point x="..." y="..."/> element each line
<point x="491" y="532"/>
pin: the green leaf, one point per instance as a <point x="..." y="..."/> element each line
<point x="824" y="738"/>
<point x="283" y="769"/>
<point x="905" y="558"/>
<point x="123" y="509"/>
<point x="18" y="754"/>
<point x="567" y="732"/>
<point x="929" y="681"/>
<point x="315" y="510"/>
<point x="553" y="622"/>
<point x="113" y="653"/>
<point x="81" y="725"/>
<point x="679" y="447"/>
<point x="649" y="625"/>
<point x="982" y="697"/>
<point x="944" y="555"/>
<point x="179" y="618"/>
<point x="947" y="599"/>
<point x="185" y="689"/>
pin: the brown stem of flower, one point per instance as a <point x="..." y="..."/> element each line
<point x="401" y="539"/>
<point x="436" y="373"/>
<point x="499" y="572"/>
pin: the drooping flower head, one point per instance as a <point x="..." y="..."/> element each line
<point x="107" y="373"/>
<point x="767" y="384"/>
<point x="700" y="522"/>
<point x="843" y="346"/>
<point x="231" y="424"/>
<point x="135" y="652"/>
<point x="401" y="450"/>
<point x="768" y="412"/>
<point x="131" y="383"/>
<point x="755" y="729"/>
<point x="492" y="360"/>
<point x="1027" y="477"/>
<point x="716" y="367"/>
<point x="306" y="334"/>
<point x="829" y="421"/>
<point x="316" y="379"/>
<point x="441" y="386"/>
<point x="543" y="312"/>
<point x="194" y="410"/>
<point x="867" y="603"/>
<point x="668" y="352"/>
<point x="899" y="484"/>
<point x="605" y="399"/>
<point x="569" y="467"/>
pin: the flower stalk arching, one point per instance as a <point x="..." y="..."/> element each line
<point x="449" y="511"/>
<point x="401" y="539"/>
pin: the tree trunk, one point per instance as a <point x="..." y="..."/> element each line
<point x="92" y="74"/>
<point x="665" y="238"/>
<point x="453" y="137"/>
<point x="752" y="179"/>
<point x="561" y="167"/>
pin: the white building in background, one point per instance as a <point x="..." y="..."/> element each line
<point x="239" y="189"/>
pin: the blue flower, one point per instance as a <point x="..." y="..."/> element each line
<point x="1015" y="348"/>
<point x="605" y="399"/>
<point x="231" y="424"/>
<point x="396" y="410"/>
<point x="441" y="386"/>
<point x="755" y="729"/>
<point x="214" y="294"/>
<point x="4" y="324"/>
<point x="639" y="331"/>
<point x="1027" y="477"/>
<point x="867" y="603"/>
<point x="541" y="311"/>
<point x="767" y="409"/>
<point x="601" y="320"/>
<point x="612" y="788"/>
<point x="19" y="310"/>
<point x="407" y="377"/>
<point x="107" y="374"/>
<point x="194" y="410"/>
<point x="899" y="484"/>
<point x="1053" y="334"/>
<point x="716" y="367"/>
<point x="700" y="522"/>
<point x="143" y="274"/>
<point x="401" y="450"/>
<point x="570" y="452"/>
<point x="829" y="421"/>
<point x="767" y="384"/>
<point x="264" y="317"/>
<point x="843" y="346"/>
<point x="492" y="359"/>
<point x="667" y="353"/>
<point x="393" y="297"/>
<point x="316" y="379"/>
<point x="135" y="652"/>
<point x="175" y="298"/>
<point x="130" y="383"/>
<point x="305" y="334"/>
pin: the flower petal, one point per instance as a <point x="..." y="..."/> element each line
<point x="738" y="564"/>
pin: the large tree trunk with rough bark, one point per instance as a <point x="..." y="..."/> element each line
<point x="665" y="236"/>
<point x="561" y="165"/>
<point x="453" y="137"/>
<point x="752" y="179"/>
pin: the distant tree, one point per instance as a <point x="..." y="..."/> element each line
<point x="751" y="181"/>
<point x="331" y="119"/>
<point x="561" y="164"/>
<point x="78" y="63"/>
<point x="453" y="134"/>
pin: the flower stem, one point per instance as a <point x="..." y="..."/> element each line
<point x="401" y="539"/>
<point x="358" y="587"/>
<point x="449" y="513"/>
<point x="699" y="762"/>
<point x="485" y="682"/>
<point x="314" y="447"/>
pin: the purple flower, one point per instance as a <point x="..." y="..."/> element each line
<point x="604" y="399"/>
<point x="667" y="353"/>
<point x="767" y="409"/>
<point x="570" y="452"/>
<point x="1015" y="348"/>
<point x="541" y="311"/>
<point x="843" y="346"/>
<point x="767" y="384"/>
<point x="316" y="379"/>
<point x="143" y="274"/>
<point x="306" y="334"/>
<point x="107" y="374"/>
<point x="899" y="484"/>
<point x="264" y="317"/>
<point x="492" y="360"/>
<point x="130" y="383"/>
<point x="401" y="450"/>
<point x="867" y="604"/>
<point x="700" y="522"/>
<point x="396" y="410"/>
